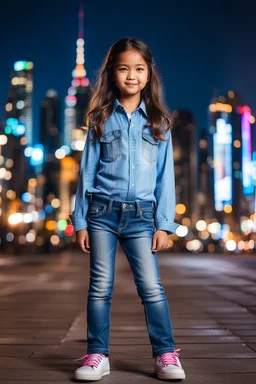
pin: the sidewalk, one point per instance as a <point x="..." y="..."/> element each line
<point x="43" y="320"/>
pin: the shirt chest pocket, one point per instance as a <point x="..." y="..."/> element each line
<point x="149" y="147"/>
<point x="111" y="145"/>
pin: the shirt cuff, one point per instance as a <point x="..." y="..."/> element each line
<point x="166" y="226"/>
<point x="78" y="223"/>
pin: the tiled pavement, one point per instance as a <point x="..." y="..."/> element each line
<point x="43" y="324"/>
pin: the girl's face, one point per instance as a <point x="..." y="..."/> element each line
<point x="130" y="73"/>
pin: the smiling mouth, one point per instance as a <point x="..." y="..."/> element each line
<point x="130" y="84"/>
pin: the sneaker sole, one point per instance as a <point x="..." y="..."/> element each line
<point x="171" y="375"/>
<point x="91" y="377"/>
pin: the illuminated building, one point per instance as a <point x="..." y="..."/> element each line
<point x="231" y="159"/>
<point x="18" y="128"/>
<point x="19" y="102"/>
<point x="205" y="202"/>
<point x="20" y="161"/>
<point x="77" y="100"/>
<point x="50" y="122"/>
<point x="69" y="171"/>
<point x="184" y="136"/>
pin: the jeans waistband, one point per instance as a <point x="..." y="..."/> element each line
<point x="123" y="205"/>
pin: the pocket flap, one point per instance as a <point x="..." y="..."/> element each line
<point x="149" y="138"/>
<point x="110" y="136"/>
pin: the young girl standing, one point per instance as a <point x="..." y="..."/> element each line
<point x="126" y="193"/>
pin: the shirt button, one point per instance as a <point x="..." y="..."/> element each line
<point x="132" y="185"/>
<point x="124" y="205"/>
<point x="132" y="125"/>
<point x="133" y="167"/>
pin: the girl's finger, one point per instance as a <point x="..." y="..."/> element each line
<point x="154" y="244"/>
<point x="87" y="243"/>
<point x="82" y="247"/>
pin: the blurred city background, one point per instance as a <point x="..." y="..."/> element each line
<point x="207" y="65"/>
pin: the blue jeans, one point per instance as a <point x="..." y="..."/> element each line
<point x="132" y="224"/>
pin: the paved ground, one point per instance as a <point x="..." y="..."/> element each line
<point x="43" y="325"/>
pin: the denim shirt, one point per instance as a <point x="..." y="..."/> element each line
<point x="126" y="163"/>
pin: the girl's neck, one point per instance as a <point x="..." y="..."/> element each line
<point x="129" y="103"/>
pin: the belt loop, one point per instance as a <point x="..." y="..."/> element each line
<point x="110" y="206"/>
<point x="137" y="208"/>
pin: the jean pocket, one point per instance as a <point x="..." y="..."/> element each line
<point x="147" y="214"/>
<point x="111" y="144"/>
<point x="149" y="147"/>
<point x="96" y="210"/>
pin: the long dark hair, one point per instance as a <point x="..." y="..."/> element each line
<point x="106" y="91"/>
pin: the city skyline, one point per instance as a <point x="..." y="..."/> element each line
<point x="194" y="78"/>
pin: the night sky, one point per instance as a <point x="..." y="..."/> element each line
<point x="200" y="48"/>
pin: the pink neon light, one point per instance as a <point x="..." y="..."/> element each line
<point x="244" y="109"/>
<point x="84" y="82"/>
<point x="70" y="97"/>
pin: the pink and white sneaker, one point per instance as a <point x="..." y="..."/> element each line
<point x="95" y="366"/>
<point x="168" y="366"/>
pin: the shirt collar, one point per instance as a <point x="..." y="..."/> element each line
<point x="142" y="106"/>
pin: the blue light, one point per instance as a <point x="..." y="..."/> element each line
<point x="12" y="122"/>
<point x="7" y="130"/>
<point x="37" y="156"/>
<point x="28" y="151"/>
<point x="66" y="149"/>
<point x="18" y="130"/>
<point x="19" y="65"/>
<point x="48" y="208"/>
<point x="41" y="215"/>
<point x="26" y="197"/>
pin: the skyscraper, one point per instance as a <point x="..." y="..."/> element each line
<point x="184" y="136"/>
<point x="50" y="122"/>
<point x="77" y="100"/>
<point x="232" y="158"/>
<point x="16" y="169"/>
<point x="19" y="102"/>
<point x="205" y="197"/>
<point x="18" y="126"/>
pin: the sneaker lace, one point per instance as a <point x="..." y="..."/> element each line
<point x="92" y="359"/>
<point x="169" y="358"/>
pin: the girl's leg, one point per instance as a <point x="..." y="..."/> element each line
<point x="103" y="246"/>
<point x="144" y="265"/>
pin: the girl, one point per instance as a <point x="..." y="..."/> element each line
<point x="126" y="193"/>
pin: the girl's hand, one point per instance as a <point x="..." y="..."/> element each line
<point x="82" y="240"/>
<point x="160" y="241"/>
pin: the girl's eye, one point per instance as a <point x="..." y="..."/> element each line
<point x="121" y="69"/>
<point x="141" y="69"/>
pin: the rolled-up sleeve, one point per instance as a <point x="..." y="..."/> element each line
<point x="165" y="187"/>
<point x="88" y="169"/>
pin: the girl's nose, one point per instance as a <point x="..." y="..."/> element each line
<point x="130" y="76"/>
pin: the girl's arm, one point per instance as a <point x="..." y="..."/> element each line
<point x="88" y="169"/>
<point x="165" y="187"/>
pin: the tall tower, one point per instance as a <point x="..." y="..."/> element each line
<point x="18" y="125"/>
<point x="50" y="122"/>
<point x="205" y="196"/>
<point x="231" y="159"/>
<point x="184" y="136"/>
<point x="17" y="138"/>
<point x="19" y="102"/>
<point x="77" y="100"/>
